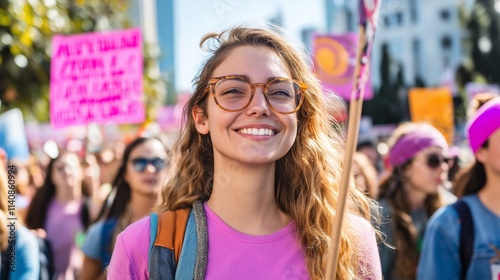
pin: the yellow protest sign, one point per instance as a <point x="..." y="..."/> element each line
<point x="434" y="106"/>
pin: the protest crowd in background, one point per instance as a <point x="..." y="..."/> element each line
<point x="427" y="188"/>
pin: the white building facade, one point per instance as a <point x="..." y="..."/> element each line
<point x="423" y="36"/>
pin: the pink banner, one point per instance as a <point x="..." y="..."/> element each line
<point x="96" y="77"/>
<point x="334" y="63"/>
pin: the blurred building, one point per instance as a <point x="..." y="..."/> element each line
<point x="150" y="15"/>
<point x="424" y="37"/>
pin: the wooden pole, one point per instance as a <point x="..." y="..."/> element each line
<point x="355" y="108"/>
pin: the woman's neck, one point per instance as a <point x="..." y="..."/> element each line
<point x="415" y="197"/>
<point x="67" y="194"/>
<point x="244" y="198"/>
<point x="490" y="193"/>
<point x="140" y="205"/>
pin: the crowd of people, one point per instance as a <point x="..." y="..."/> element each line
<point x="249" y="190"/>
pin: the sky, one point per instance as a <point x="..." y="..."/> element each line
<point x="195" y="18"/>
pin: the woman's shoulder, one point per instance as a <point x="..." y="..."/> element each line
<point x="445" y="216"/>
<point x="130" y="256"/>
<point x="363" y="228"/>
<point x="95" y="235"/>
<point x="360" y="224"/>
<point x="25" y="237"/>
<point x="95" y="227"/>
<point x="139" y="229"/>
<point x="366" y="246"/>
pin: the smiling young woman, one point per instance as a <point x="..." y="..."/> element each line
<point x="258" y="164"/>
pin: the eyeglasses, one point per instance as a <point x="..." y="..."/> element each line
<point x="434" y="160"/>
<point x="235" y="92"/>
<point x="140" y="164"/>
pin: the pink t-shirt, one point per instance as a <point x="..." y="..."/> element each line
<point x="62" y="226"/>
<point x="233" y="255"/>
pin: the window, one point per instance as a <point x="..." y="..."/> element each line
<point x="445" y="15"/>
<point x="413" y="11"/>
<point x="393" y="19"/>
<point x="446" y="42"/>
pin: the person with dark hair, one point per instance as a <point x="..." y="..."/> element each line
<point x="136" y="190"/>
<point x="446" y="253"/>
<point x="59" y="207"/>
<point x="410" y="195"/>
<point x="255" y="177"/>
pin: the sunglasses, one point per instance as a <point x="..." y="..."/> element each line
<point x="434" y="160"/>
<point x="140" y="164"/>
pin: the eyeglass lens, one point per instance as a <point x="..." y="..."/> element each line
<point x="434" y="160"/>
<point x="234" y="94"/>
<point x="140" y="164"/>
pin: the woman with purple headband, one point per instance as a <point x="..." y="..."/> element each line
<point x="409" y="195"/>
<point x="446" y="253"/>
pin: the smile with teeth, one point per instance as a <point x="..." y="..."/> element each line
<point x="257" y="131"/>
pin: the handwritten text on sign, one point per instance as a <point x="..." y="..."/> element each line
<point x="96" y="77"/>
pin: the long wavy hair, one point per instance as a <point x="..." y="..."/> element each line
<point x="37" y="211"/>
<point x="406" y="235"/>
<point x="117" y="201"/>
<point x="471" y="179"/>
<point x="307" y="177"/>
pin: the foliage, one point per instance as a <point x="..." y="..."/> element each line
<point x="389" y="98"/>
<point x="481" y="25"/>
<point x="26" y="29"/>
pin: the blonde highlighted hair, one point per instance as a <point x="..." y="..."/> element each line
<point x="307" y="177"/>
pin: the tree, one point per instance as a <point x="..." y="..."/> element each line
<point x="481" y="46"/>
<point x="26" y="29"/>
<point x="387" y="105"/>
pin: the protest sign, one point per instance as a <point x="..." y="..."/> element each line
<point x="334" y="62"/>
<point x="96" y="77"/>
<point x="434" y="106"/>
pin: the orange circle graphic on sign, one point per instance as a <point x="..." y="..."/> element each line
<point x="333" y="58"/>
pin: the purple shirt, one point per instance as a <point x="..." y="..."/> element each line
<point x="62" y="225"/>
<point x="233" y="255"/>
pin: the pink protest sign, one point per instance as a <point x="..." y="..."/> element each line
<point x="96" y="77"/>
<point x="334" y="63"/>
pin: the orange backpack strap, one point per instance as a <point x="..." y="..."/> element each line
<point x="171" y="229"/>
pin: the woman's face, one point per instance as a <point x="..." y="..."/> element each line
<point x="146" y="167"/>
<point x="359" y="178"/>
<point x="256" y="134"/>
<point x="490" y="156"/>
<point x="428" y="170"/>
<point x="67" y="172"/>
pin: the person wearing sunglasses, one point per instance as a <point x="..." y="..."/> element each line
<point x="444" y="253"/>
<point x="136" y="190"/>
<point x="257" y="165"/>
<point x="410" y="194"/>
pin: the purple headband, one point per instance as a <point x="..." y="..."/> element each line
<point x="408" y="145"/>
<point x="483" y="123"/>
